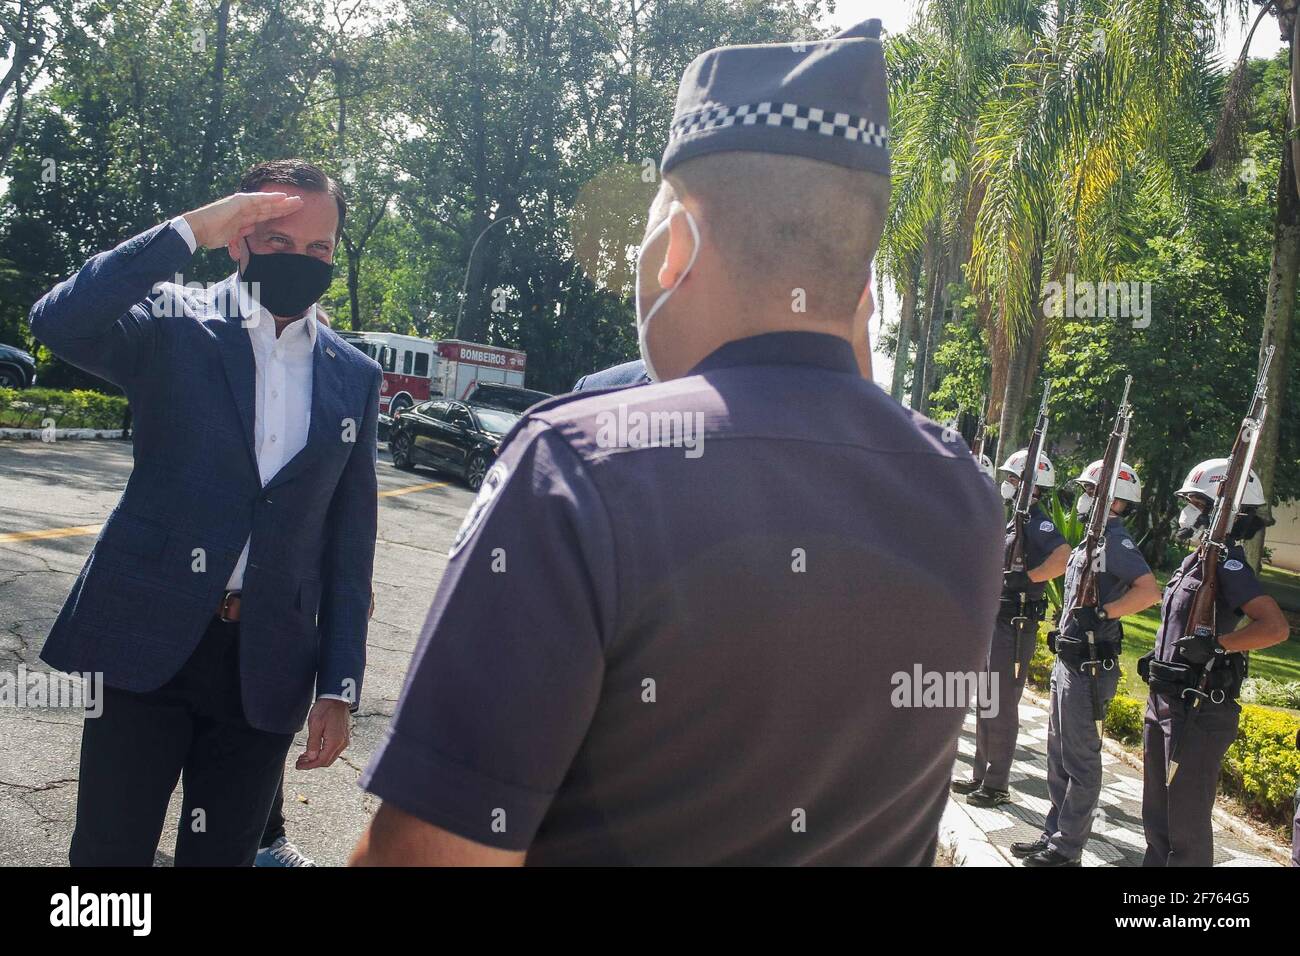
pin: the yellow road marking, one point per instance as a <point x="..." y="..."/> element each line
<point x="412" y="488"/>
<point x="87" y="529"/>
<point x="51" y="533"/>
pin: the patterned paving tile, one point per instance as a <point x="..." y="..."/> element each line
<point x="1117" y="838"/>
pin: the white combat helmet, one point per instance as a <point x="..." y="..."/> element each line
<point x="1206" y="477"/>
<point x="985" y="464"/>
<point x="1015" y="465"/>
<point x="1128" y="486"/>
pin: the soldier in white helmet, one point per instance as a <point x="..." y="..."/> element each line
<point x="1176" y="815"/>
<point x="1125" y="585"/>
<point x="1022" y="606"/>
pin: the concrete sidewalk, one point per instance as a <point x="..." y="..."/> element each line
<point x="980" y="837"/>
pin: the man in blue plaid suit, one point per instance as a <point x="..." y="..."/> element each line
<point x="226" y="599"/>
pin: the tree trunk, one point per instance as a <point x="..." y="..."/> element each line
<point x="940" y="314"/>
<point x="906" y="333"/>
<point x="1279" y="309"/>
<point x="1013" y="396"/>
<point x="212" y="129"/>
<point x="930" y="276"/>
<point x="354" y="288"/>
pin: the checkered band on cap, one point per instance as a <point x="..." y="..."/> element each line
<point x="807" y="118"/>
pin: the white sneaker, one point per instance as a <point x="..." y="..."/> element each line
<point x="282" y="853"/>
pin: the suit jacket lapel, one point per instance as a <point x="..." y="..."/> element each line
<point x="329" y="408"/>
<point x="237" y="359"/>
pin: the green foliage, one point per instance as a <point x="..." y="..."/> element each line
<point x="1124" y="719"/>
<point x="1072" y="529"/>
<point x="1262" y="767"/>
<point x="962" y="358"/>
<point x="437" y="117"/>
<point x="80" y="408"/>
<point x="1040" y="665"/>
<point x="1271" y="693"/>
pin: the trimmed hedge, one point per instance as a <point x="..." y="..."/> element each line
<point x="80" y="408"/>
<point x="1262" y="767"/>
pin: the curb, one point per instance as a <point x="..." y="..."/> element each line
<point x="75" y="434"/>
<point x="970" y="846"/>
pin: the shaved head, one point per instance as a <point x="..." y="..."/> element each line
<point x="784" y="223"/>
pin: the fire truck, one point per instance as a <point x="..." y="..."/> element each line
<point x="417" y="369"/>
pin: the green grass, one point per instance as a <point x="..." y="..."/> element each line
<point x="1283" y="585"/>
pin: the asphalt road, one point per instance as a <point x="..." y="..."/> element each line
<point x="53" y="497"/>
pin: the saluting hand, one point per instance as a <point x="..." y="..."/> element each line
<point x="226" y="221"/>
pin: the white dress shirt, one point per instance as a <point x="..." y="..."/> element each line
<point x="282" y="390"/>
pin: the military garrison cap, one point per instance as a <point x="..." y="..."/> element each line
<point x="823" y="99"/>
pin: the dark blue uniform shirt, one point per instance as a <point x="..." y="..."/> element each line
<point x="641" y="654"/>
<point x="1042" y="537"/>
<point x="1122" y="564"/>
<point x="1238" y="586"/>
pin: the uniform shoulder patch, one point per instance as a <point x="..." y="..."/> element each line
<point x="487" y="493"/>
<point x="1232" y="564"/>
<point x="1047" y="526"/>
<point x="1128" y="543"/>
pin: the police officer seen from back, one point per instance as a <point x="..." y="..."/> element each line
<point x="1125" y="585"/>
<point x="1021" y="609"/>
<point x="1176" y="814"/>
<point x="654" y="651"/>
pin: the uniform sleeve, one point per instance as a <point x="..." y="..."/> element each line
<point x="1044" y="537"/>
<point x="508" y="669"/>
<point x="1124" y="561"/>
<point x="1237" y="582"/>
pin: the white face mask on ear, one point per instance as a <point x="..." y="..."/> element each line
<point x="1085" y="505"/>
<point x="643" y="322"/>
<point x="1008" y="490"/>
<point x="1188" y="517"/>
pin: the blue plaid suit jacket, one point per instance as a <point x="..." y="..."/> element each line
<point x="155" y="578"/>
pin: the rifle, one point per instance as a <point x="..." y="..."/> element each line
<point x="1213" y="546"/>
<point x="1014" y="559"/>
<point x="1094" y="541"/>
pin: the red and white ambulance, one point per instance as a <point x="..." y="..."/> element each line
<point x="417" y="369"/>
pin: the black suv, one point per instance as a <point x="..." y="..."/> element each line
<point x="450" y="436"/>
<point x="17" y="368"/>
<point x="512" y="398"/>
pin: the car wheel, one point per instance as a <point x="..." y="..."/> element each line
<point x="10" y="378"/>
<point x="400" y="447"/>
<point x="475" y="470"/>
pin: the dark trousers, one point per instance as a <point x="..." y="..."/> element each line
<point x="1177" y="818"/>
<point x="1074" y="754"/>
<point x="995" y="735"/>
<point x="274" y="828"/>
<point x="192" y="729"/>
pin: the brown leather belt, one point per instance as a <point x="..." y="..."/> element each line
<point x="228" y="610"/>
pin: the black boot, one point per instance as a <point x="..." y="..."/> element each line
<point x="1022" y="850"/>
<point x="984" y="797"/>
<point x="966" y="786"/>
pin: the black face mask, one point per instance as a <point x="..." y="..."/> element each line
<point x="285" y="283"/>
